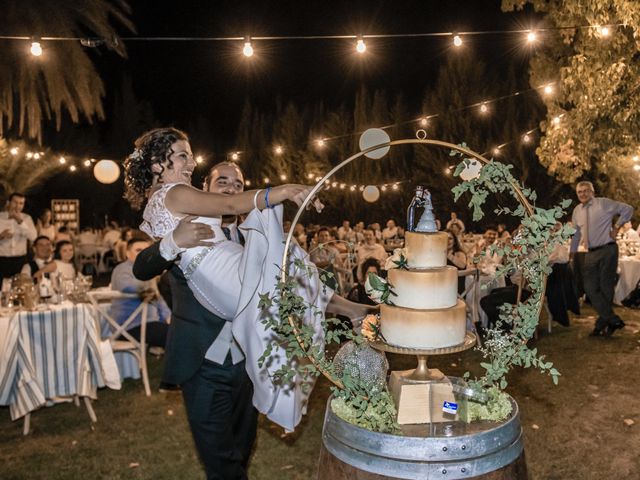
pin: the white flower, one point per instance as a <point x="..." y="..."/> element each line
<point x="136" y="154"/>
<point x="393" y="260"/>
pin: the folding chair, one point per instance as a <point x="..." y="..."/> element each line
<point x="99" y="301"/>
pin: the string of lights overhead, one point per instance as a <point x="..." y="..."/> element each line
<point x="248" y="43"/>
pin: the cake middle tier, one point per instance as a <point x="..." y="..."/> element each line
<point x="409" y="328"/>
<point x="424" y="289"/>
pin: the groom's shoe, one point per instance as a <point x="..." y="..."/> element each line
<point x="616" y="324"/>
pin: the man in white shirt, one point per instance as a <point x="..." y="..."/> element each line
<point x="455" y="221"/>
<point x="346" y="233"/>
<point x="370" y="249"/>
<point x="391" y="231"/>
<point x="42" y="264"/>
<point x="16" y="228"/>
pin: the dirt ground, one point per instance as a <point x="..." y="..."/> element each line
<point x="573" y="431"/>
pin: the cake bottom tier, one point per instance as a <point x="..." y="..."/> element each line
<point x="411" y="328"/>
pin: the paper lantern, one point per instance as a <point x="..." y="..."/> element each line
<point x="371" y="193"/>
<point x="371" y="138"/>
<point x="106" y="171"/>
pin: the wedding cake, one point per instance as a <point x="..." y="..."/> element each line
<point x="421" y="308"/>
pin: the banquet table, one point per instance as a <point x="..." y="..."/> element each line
<point x="48" y="354"/>
<point x="629" y="271"/>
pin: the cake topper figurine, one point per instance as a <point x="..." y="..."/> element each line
<point x="427" y="222"/>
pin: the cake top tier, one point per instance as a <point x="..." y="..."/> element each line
<point x="426" y="249"/>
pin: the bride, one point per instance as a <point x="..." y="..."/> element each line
<point x="225" y="277"/>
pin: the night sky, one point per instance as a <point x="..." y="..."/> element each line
<point x="186" y="80"/>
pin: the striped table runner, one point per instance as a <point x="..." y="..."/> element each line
<point x="47" y="354"/>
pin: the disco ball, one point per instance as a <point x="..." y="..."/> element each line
<point x="363" y="364"/>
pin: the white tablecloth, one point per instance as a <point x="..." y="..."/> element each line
<point x="629" y="271"/>
<point x="47" y="354"/>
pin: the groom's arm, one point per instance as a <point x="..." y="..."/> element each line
<point x="157" y="258"/>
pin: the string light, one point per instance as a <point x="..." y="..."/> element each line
<point x="604" y="31"/>
<point x="526" y="138"/>
<point x="29" y="155"/>
<point x="484" y="108"/>
<point x="36" y="49"/>
<point x="635" y="158"/>
<point x="334" y="184"/>
<point x="14" y="151"/>
<point x="36" y="156"/>
<point x="267" y="180"/>
<point x="532" y="37"/>
<point x="556" y="121"/>
<point x="199" y="159"/>
<point x="395" y="186"/>
<point x="548" y="89"/>
<point x="361" y="47"/>
<point x="317" y="179"/>
<point x="235" y="156"/>
<point x="62" y="160"/>
<point x="361" y="188"/>
<point x="343" y="186"/>
<point x="72" y="168"/>
<point x="352" y="188"/>
<point x="310" y="176"/>
<point x="424" y="121"/>
<point x="496" y="151"/>
<point x="87" y="163"/>
<point x="283" y="177"/>
<point x="247" y="50"/>
<point x="247" y="183"/>
<point x="383" y="188"/>
<point x="320" y="142"/>
<point x="457" y="40"/>
<point x="636" y="167"/>
<point x="278" y="150"/>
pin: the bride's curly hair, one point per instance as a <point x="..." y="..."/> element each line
<point x="152" y="147"/>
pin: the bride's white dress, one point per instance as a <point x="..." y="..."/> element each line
<point x="227" y="279"/>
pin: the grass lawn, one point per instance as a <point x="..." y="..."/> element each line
<point x="576" y="430"/>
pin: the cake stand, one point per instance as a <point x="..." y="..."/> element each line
<point x="423" y="374"/>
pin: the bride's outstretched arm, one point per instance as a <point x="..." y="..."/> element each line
<point x="186" y="200"/>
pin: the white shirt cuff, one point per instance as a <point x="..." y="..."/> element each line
<point x="168" y="248"/>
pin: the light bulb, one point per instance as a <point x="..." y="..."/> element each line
<point x="247" y="50"/>
<point x="62" y="160"/>
<point x="361" y="47"/>
<point x="395" y="186"/>
<point x="278" y="150"/>
<point x="383" y="188"/>
<point x="605" y="31"/>
<point x="310" y="176"/>
<point x="352" y="188"/>
<point x="635" y="158"/>
<point x="531" y="37"/>
<point x="496" y="151"/>
<point x="14" y="151"/>
<point x="361" y="188"/>
<point x="320" y="142"/>
<point x="556" y="121"/>
<point x="29" y="155"/>
<point x="343" y="186"/>
<point x="317" y="179"/>
<point x="36" y="156"/>
<point x="484" y="108"/>
<point x="283" y="177"/>
<point x="247" y="183"/>
<point x="334" y="184"/>
<point x="72" y="168"/>
<point x="548" y="89"/>
<point x="36" y="49"/>
<point x="424" y="121"/>
<point x="234" y="156"/>
<point x="526" y="138"/>
<point x="636" y="167"/>
<point x="267" y="180"/>
<point x="457" y="40"/>
<point x="199" y="159"/>
<point x="87" y="163"/>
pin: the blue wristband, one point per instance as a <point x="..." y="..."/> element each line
<point x="266" y="197"/>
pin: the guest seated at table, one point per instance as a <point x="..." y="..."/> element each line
<point x="455" y="221"/>
<point x="561" y="293"/>
<point x="341" y="245"/>
<point x="369" y="249"/>
<point x="87" y="237"/>
<point x="376" y="229"/>
<point x="120" y="248"/>
<point x="123" y="280"/>
<point x="327" y="257"/>
<point x="390" y="232"/>
<point x="63" y="258"/>
<point x="63" y="234"/>
<point x="456" y="257"/>
<point x="41" y="265"/>
<point x="358" y="293"/>
<point x="487" y="261"/>
<point x="111" y="235"/>
<point x="628" y="233"/>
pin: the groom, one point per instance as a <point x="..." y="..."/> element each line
<point x="217" y="397"/>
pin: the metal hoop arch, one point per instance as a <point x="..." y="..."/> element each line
<point x="437" y="143"/>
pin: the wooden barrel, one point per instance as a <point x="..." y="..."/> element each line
<point x="486" y="450"/>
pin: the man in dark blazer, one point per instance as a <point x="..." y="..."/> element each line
<point x="217" y="397"/>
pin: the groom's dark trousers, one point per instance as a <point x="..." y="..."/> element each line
<point x="217" y="398"/>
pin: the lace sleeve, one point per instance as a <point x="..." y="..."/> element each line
<point x="158" y="220"/>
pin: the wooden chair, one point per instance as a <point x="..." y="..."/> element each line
<point x="100" y="301"/>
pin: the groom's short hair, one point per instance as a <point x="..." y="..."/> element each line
<point x="207" y="179"/>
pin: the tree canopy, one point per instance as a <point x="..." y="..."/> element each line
<point x="63" y="79"/>
<point x="592" y="127"/>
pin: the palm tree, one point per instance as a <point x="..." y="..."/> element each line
<point x="63" y="79"/>
<point x="22" y="170"/>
